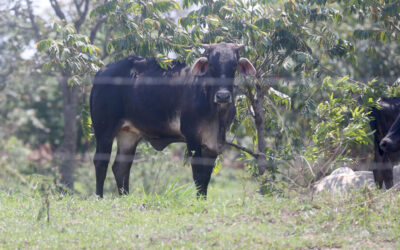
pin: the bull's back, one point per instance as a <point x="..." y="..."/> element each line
<point x="150" y="101"/>
<point x="152" y="107"/>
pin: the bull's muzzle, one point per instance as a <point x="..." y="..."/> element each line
<point x="387" y="145"/>
<point x="223" y="97"/>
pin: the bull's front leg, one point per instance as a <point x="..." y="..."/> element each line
<point x="202" y="167"/>
<point x="383" y="169"/>
<point x="387" y="169"/>
<point x="388" y="177"/>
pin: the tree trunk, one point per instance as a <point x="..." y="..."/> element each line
<point x="67" y="150"/>
<point x="260" y="121"/>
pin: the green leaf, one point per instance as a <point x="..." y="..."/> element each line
<point x="265" y="23"/>
<point x="74" y="80"/>
<point x="105" y="9"/>
<point x="165" y="5"/>
<point x="280" y="98"/>
<point x="43" y="45"/>
<point x="86" y="123"/>
<point x="343" y="79"/>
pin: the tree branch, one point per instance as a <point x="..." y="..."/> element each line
<point x="339" y="75"/>
<point x="237" y="146"/>
<point x="106" y="38"/>
<point x="82" y="15"/>
<point x="394" y="26"/>
<point x="248" y="91"/>
<point x="57" y="9"/>
<point x="32" y="19"/>
<point x="95" y="29"/>
<point x="78" y="6"/>
<point x="259" y="67"/>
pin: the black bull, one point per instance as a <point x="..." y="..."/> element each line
<point x="386" y="123"/>
<point x="135" y="99"/>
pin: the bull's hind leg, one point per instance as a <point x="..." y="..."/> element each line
<point x="127" y="142"/>
<point x="101" y="160"/>
<point x="202" y="167"/>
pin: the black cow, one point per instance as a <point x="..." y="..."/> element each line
<point x="181" y="104"/>
<point x="386" y="144"/>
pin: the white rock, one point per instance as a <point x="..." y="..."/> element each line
<point x="342" y="170"/>
<point x="396" y="175"/>
<point x="345" y="179"/>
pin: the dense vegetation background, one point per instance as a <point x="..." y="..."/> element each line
<point x="321" y="65"/>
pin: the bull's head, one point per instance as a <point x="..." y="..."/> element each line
<point x="391" y="142"/>
<point x="219" y="64"/>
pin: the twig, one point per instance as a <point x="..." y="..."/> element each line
<point x="254" y="154"/>
<point x="308" y="165"/>
<point x="325" y="167"/>
<point x="275" y="108"/>
<point x="339" y="75"/>
<point x="394" y="26"/>
<point x="378" y="197"/>
<point x="18" y="175"/>
<point x="292" y="181"/>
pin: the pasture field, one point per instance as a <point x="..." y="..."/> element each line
<point x="234" y="216"/>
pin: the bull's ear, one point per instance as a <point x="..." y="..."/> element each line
<point x="200" y="66"/>
<point x="245" y="67"/>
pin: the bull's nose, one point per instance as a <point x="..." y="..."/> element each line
<point x="385" y="145"/>
<point x="223" y="97"/>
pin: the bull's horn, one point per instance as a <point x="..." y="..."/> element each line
<point x="239" y="46"/>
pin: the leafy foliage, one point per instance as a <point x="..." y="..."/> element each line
<point x="72" y="55"/>
<point x="145" y="29"/>
<point x="292" y="46"/>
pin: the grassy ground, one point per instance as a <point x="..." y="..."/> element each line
<point x="233" y="217"/>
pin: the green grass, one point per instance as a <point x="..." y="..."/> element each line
<point x="233" y="217"/>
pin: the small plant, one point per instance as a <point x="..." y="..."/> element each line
<point x="44" y="210"/>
